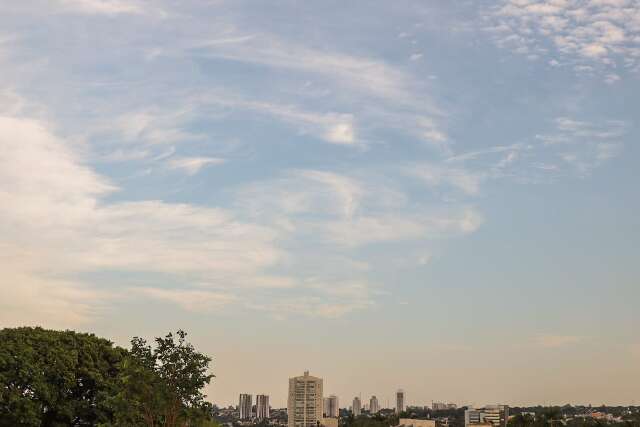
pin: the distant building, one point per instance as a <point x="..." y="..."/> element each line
<point x="400" y="401"/>
<point x="304" y="405"/>
<point x="331" y="407"/>
<point x="373" y="405"/>
<point x="244" y="406"/>
<point x="330" y="422"/>
<point x="410" y="422"/>
<point x="496" y="415"/>
<point x="357" y="406"/>
<point x="441" y="406"/>
<point x="262" y="406"/>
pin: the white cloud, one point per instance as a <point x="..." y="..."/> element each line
<point x="611" y="78"/>
<point x="193" y="165"/>
<point x="106" y="7"/>
<point x="603" y="34"/>
<point x="594" y="50"/>
<point x="57" y="220"/>
<point x="332" y="127"/>
<point x="341" y="133"/>
<point x="362" y="74"/>
<point x="556" y="341"/>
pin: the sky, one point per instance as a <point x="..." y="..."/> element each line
<point x="439" y="196"/>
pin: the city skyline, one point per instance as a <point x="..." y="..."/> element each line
<point x="438" y="196"/>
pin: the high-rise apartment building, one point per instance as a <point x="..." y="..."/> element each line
<point x="374" y="407"/>
<point x="331" y="407"/>
<point x="400" y="401"/>
<point x="357" y="406"/>
<point x="496" y="415"/>
<point x="262" y="406"/>
<point x="304" y="405"/>
<point x="244" y="407"/>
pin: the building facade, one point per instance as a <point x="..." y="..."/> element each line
<point x="496" y="415"/>
<point x="357" y="406"/>
<point x="330" y="422"/>
<point x="304" y="404"/>
<point x="244" y="406"/>
<point x="374" y="407"/>
<point x="409" y="422"/>
<point x="399" y="401"/>
<point x="331" y="407"/>
<point x="441" y="406"/>
<point x="262" y="406"/>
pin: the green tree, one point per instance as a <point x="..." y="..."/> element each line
<point x="162" y="386"/>
<point x="521" y="420"/>
<point x="56" y="378"/>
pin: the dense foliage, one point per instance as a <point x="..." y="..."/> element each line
<point x="163" y="386"/>
<point x="54" y="378"/>
<point x="63" y="378"/>
<point x="377" y="420"/>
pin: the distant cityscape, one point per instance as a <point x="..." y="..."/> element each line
<point x="307" y="406"/>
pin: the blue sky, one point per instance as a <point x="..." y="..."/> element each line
<point x="438" y="196"/>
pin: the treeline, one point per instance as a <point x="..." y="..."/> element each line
<point x="377" y="420"/>
<point x="64" y="378"/>
<point x="556" y="416"/>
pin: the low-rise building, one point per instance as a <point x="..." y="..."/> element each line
<point x="411" y="422"/>
<point x="330" y="422"/>
<point x="496" y="415"/>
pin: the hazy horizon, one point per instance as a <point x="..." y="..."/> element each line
<point x="435" y="196"/>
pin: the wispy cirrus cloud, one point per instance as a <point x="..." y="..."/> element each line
<point x="584" y="145"/>
<point x="364" y="75"/>
<point x="193" y="165"/>
<point x="111" y="7"/>
<point x="567" y="147"/>
<point x="335" y="128"/>
<point x="106" y="7"/>
<point x="351" y="212"/>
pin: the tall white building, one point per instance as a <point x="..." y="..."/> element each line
<point x="304" y="406"/>
<point x="245" y="406"/>
<point x="262" y="406"/>
<point x="496" y="415"/>
<point x="374" y="407"/>
<point x="331" y="407"/>
<point x="357" y="406"/>
<point x="400" y="401"/>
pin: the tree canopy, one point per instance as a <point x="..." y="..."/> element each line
<point x="64" y="378"/>
<point x="56" y="378"/>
